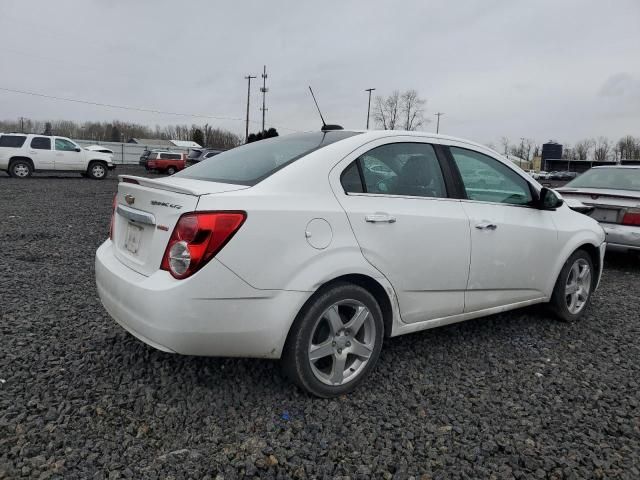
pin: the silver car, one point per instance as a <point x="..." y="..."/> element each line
<point x="614" y="193"/>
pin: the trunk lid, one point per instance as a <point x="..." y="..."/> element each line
<point x="147" y="211"/>
<point x="609" y="205"/>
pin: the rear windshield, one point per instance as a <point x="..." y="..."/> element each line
<point x="253" y="162"/>
<point x="13" y="141"/>
<point x="614" y="178"/>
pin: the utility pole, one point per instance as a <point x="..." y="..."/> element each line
<point x="246" y="128"/>
<point x="369" y="107"/>
<point x="21" y="124"/>
<point x="438" y="123"/>
<point x="522" y="148"/>
<point x="264" y="90"/>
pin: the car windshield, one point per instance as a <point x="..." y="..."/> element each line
<point x="614" y="178"/>
<point x="253" y="162"/>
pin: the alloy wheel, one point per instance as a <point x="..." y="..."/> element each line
<point x="97" y="171"/>
<point x="342" y="342"/>
<point x="21" y="170"/>
<point x="578" y="286"/>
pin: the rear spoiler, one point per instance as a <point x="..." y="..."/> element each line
<point x="158" y="184"/>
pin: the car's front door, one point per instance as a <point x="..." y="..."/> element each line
<point x="67" y="155"/>
<point x="396" y="198"/>
<point x="41" y="153"/>
<point x="513" y="245"/>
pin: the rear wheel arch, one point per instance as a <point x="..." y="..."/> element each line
<point x="27" y="159"/>
<point x="368" y="283"/>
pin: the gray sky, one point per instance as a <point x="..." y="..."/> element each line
<point x="562" y="69"/>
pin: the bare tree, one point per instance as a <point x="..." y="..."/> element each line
<point x="628" y="147"/>
<point x="583" y="147"/>
<point x="602" y="149"/>
<point x="569" y="153"/>
<point x="386" y="111"/>
<point x="412" y="107"/>
<point x="504" y="141"/>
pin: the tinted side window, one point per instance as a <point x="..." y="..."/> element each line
<point x="350" y="179"/>
<point x="41" y="143"/>
<point x="488" y="180"/>
<point x="12" y="141"/>
<point x="170" y="156"/>
<point x="64" y="145"/>
<point x="409" y="169"/>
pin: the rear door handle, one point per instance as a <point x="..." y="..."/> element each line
<point x="380" y="218"/>
<point x="486" y="225"/>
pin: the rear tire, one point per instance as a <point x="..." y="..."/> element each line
<point x="335" y="341"/>
<point x="170" y="171"/>
<point x="572" y="292"/>
<point x="20" y="169"/>
<point x="97" y="171"/>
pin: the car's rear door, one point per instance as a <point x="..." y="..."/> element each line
<point x="513" y="245"/>
<point x="41" y="152"/>
<point x="396" y="196"/>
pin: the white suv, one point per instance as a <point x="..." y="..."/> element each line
<point x="22" y="154"/>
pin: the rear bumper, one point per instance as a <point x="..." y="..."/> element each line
<point x="622" y="236"/>
<point x="216" y="314"/>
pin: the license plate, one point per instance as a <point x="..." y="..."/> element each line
<point x="605" y="215"/>
<point x="132" y="239"/>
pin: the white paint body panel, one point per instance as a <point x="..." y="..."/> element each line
<point x="433" y="267"/>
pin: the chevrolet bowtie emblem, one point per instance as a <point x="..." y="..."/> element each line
<point x="130" y="199"/>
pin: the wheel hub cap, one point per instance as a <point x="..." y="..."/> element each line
<point x="578" y="286"/>
<point x="342" y="342"/>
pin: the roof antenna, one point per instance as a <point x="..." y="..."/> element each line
<point x="325" y="127"/>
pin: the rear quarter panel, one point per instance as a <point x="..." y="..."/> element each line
<point x="271" y="250"/>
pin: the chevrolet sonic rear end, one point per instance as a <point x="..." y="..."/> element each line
<point x="313" y="247"/>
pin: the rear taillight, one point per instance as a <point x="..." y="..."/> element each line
<point x="196" y="239"/>
<point x="114" y="205"/>
<point x="631" y="217"/>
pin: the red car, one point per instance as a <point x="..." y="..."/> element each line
<point x="166" y="162"/>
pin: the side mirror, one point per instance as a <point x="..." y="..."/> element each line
<point x="77" y="149"/>
<point x="549" y="200"/>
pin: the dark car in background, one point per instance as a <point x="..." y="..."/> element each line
<point x="198" y="154"/>
<point x="144" y="157"/>
<point x="564" y="175"/>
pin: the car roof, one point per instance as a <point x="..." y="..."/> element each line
<point x="376" y="134"/>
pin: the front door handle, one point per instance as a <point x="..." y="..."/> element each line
<point x="486" y="225"/>
<point x="380" y="218"/>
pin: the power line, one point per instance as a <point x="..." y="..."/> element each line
<point x="124" y="107"/>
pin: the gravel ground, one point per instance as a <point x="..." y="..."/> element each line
<point x="518" y="395"/>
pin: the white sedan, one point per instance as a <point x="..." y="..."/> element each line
<point x="314" y="247"/>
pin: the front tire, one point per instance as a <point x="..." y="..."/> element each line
<point x="170" y="171"/>
<point x="97" y="171"/>
<point x="573" y="289"/>
<point x="335" y="341"/>
<point x="20" y="169"/>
